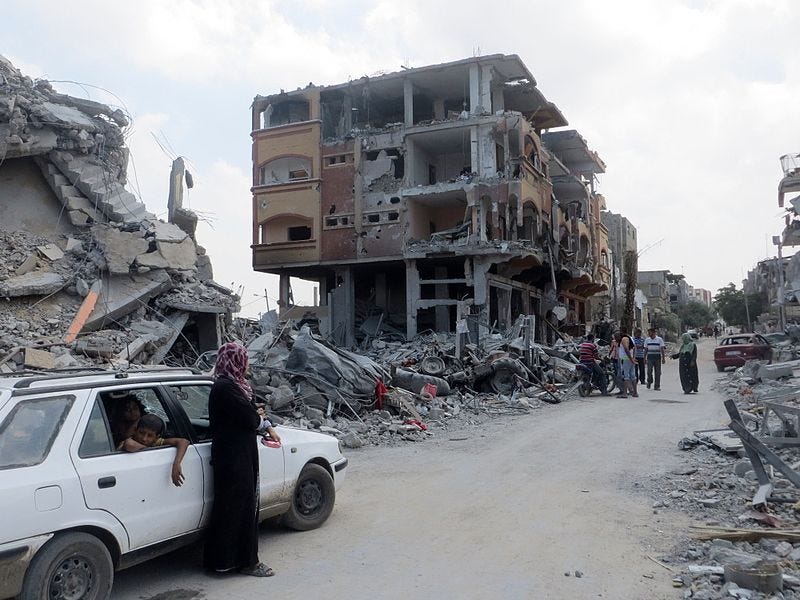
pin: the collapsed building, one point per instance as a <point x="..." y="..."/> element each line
<point x="86" y="272"/>
<point x="434" y="198"/>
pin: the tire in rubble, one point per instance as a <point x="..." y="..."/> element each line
<point x="312" y="500"/>
<point x="432" y="365"/>
<point x="71" y="566"/>
<point x="504" y="375"/>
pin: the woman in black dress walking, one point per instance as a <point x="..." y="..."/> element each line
<point x="687" y="367"/>
<point x="232" y="535"/>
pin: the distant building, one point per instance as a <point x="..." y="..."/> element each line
<point x="621" y="239"/>
<point x="700" y="295"/>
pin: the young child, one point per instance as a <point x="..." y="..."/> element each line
<point x="148" y="434"/>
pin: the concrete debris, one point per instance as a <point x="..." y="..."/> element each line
<point x="741" y="552"/>
<point x="80" y="253"/>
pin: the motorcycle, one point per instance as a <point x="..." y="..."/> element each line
<point x="589" y="379"/>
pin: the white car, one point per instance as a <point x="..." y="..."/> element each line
<point x="74" y="509"/>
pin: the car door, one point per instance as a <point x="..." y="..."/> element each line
<point x="192" y="398"/>
<point x="136" y="487"/>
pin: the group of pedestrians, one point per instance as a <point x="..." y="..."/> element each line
<point x="638" y="359"/>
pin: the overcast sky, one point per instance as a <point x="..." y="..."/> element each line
<point x="690" y="103"/>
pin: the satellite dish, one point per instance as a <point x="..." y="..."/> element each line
<point x="560" y="312"/>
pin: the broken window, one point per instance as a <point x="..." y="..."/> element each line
<point x="336" y="160"/>
<point x="284" y="170"/>
<point x="374" y="218"/>
<point x="299" y="233"/>
<point x="286" y="228"/>
<point x="393" y="216"/>
<point x="331" y="221"/>
<point x="289" y="111"/>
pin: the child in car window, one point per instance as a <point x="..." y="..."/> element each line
<point x="148" y="434"/>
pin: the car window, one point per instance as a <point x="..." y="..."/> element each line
<point x="97" y="437"/>
<point x="194" y="401"/>
<point x="122" y="409"/>
<point x="30" y="429"/>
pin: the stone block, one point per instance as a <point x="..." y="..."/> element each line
<point x="123" y="294"/>
<point x="180" y="255"/>
<point x="775" y="371"/>
<point x="169" y="232"/>
<point x="152" y="260"/>
<point x="34" y="283"/>
<point x="120" y="248"/>
<point x="51" y="252"/>
<point x="39" y="359"/>
<point x="29" y="264"/>
<point x="73" y="245"/>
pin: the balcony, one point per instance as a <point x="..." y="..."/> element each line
<point x="790" y="163"/>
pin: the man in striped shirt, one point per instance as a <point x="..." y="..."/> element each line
<point x="656" y="356"/>
<point x="588" y="356"/>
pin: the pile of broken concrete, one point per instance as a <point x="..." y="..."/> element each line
<point x="96" y="277"/>
<point x="744" y="545"/>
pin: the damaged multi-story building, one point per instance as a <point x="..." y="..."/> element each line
<point x="418" y="197"/>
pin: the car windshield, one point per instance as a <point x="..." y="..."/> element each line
<point x="30" y="429"/>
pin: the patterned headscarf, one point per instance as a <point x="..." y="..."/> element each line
<point x="232" y="363"/>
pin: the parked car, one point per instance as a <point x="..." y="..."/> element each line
<point x="694" y="333"/>
<point x="75" y="509"/>
<point x="735" y="350"/>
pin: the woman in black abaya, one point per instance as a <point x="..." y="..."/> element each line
<point x="232" y="536"/>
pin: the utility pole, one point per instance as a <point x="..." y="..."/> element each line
<point x="776" y="239"/>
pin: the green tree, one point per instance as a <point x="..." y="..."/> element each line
<point x="733" y="305"/>
<point x="695" y="314"/>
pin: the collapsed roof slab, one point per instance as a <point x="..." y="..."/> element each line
<point x="121" y="295"/>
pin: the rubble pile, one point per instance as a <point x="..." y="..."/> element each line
<point x="392" y="391"/>
<point x="92" y="277"/>
<point x="743" y="546"/>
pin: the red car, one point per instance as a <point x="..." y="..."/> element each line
<point x="734" y="350"/>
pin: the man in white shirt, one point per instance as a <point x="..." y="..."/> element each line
<point x="656" y="356"/>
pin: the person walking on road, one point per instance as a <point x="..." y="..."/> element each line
<point x="639" y="353"/>
<point x="655" y="350"/>
<point x="231" y="543"/>
<point x="687" y="367"/>
<point x="627" y="365"/>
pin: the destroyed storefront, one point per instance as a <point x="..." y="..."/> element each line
<point x="87" y="273"/>
<point x="416" y="199"/>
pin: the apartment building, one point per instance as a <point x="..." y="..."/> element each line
<point x="428" y="195"/>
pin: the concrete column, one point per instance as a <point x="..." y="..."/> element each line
<point x="474" y="89"/>
<point x="408" y="163"/>
<point x="486" y="88"/>
<point x="442" y="312"/>
<point x="358" y="203"/>
<point x="474" y="150"/>
<point x="498" y="100"/>
<point x="408" y="102"/>
<point x="284" y="291"/>
<point x="345" y="309"/>
<point x="381" y="291"/>
<point x="438" y="109"/>
<point x="481" y="286"/>
<point x="412" y="298"/>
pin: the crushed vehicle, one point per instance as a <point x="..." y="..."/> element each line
<point x="735" y="350"/>
<point x="83" y="509"/>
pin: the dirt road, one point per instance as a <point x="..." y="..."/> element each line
<point x="503" y="514"/>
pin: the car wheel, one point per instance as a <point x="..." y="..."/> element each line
<point x="720" y="368"/>
<point x="312" y="500"/>
<point x="71" y="566"/>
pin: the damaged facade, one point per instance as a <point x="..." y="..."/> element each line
<point x="429" y="197"/>
<point x="87" y="273"/>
